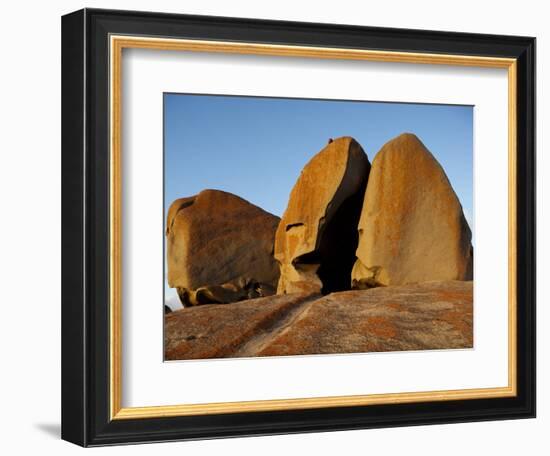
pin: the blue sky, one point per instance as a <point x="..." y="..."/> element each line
<point x="256" y="147"/>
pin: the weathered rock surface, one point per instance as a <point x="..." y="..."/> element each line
<point x="217" y="331"/>
<point x="316" y="238"/>
<point x="220" y="249"/>
<point x="434" y="315"/>
<point x="412" y="228"/>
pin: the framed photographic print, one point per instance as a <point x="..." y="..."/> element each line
<point x="279" y="227"/>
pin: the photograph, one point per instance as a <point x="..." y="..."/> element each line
<point x="316" y="226"/>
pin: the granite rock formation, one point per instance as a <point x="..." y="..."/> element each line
<point x="220" y="249"/>
<point x="217" y="331"/>
<point x="396" y="233"/>
<point x="412" y="228"/>
<point x="316" y="238"/>
<point x="434" y="315"/>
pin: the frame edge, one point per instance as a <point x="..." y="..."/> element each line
<point x="73" y="305"/>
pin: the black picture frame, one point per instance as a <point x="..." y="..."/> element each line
<point x="85" y="228"/>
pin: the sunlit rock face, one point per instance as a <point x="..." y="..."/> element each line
<point x="412" y="228"/>
<point x="220" y="249"/>
<point x="434" y="315"/>
<point x="317" y="236"/>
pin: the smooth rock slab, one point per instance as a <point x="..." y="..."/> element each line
<point x="415" y="317"/>
<point x="217" y="330"/>
<point x="435" y="315"/>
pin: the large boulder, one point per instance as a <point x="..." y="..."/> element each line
<point x="412" y="228"/>
<point x="316" y="238"/>
<point x="220" y="249"/>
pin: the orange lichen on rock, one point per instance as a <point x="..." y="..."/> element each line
<point x="217" y="331"/>
<point x="380" y="326"/>
<point x="434" y="315"/>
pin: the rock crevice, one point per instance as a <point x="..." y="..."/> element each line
<point x="316" y="238"/>
<point x="346" y="225"/>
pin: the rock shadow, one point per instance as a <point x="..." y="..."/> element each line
<point x="335" y="254"/>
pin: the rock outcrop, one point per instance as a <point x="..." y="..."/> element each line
<point x="218" y="331"/>
<point x="317" y="237"/>
<point x="412" y="228"/>
<point x="435" y="315"/>
<point x="220" y="249"/>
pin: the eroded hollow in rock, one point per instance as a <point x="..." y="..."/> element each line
<point x="335" y="254"/>
<point x="316" y="239"/>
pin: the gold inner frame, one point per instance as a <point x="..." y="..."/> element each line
<point x="117" y="44"/>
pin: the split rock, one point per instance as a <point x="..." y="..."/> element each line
<point x="316" y="238"/>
